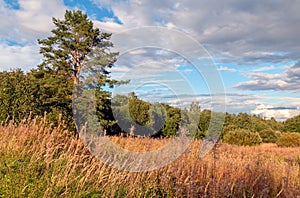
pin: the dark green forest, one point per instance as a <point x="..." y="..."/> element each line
<point x="78" y="58"/>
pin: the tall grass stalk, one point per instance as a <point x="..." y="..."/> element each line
<point x="37" y="160"/>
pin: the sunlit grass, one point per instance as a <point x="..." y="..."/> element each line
<point x="37" y="161"/>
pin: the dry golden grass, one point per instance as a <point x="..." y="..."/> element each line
<point x="37" y="161"/>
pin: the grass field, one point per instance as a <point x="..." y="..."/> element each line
<point x="37" y="161"/>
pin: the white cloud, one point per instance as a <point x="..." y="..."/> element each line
<point x="287" y="81"/>
<point x="279" y="113"/>
<point x="251" y="31"/>
<point x="263" y="69"/>
<point x="108" y="26"/>
<point x="33" y="20"/>
<point x="36" y="15"/>
<point x="25" y="25"/>
<point x="25" y="57"/>
<point x="224" y="68"/>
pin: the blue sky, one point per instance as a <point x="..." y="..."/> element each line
<point x="252" y="47"/>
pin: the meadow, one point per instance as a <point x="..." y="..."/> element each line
<point x="37" y="160"/>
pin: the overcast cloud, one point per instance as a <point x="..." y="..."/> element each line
<point x="244" y="30"/>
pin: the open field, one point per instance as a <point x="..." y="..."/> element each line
<point x="36" y="161"/>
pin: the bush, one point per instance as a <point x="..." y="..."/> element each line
<point x="242" y="137"/>
<point x="228" y="128"/>
<point x="269" y="135"/>
<point x="289" y="140"/>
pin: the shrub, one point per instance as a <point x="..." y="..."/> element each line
<point x="228" y="128"/>
<point x="269" y="135"/>
<point x="289" y="140"/>
<point x="242" y="137"/>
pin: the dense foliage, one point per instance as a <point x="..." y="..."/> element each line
<point x="18" y="95"/>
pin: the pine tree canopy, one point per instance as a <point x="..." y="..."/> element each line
<point x="73" y="39"/>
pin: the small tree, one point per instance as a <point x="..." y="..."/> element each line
<point x="172" y="122"/>
<point x="204" y="122"/>
<point x="139" y="111"/>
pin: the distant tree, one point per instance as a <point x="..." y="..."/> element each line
<point x="204" y="122"/>
<point x="173" y="120"/>
<point x="140" y="117"/>
<point x="258" y="124"/>
<point x="229" y="119"/>
<point x="292" y="124"/>
<point x="158" y="116"/>
<point x="195" y="107"/>
<point x="139" y="111"/>
<point x="275" y="125"/>
<point x="244" y="121"/>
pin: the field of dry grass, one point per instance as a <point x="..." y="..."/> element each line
<point x="37" y="161"/>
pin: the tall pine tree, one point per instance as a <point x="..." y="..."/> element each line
<point x="75" y="45"/>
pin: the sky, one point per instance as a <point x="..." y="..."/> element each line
<point x="239" y="54"/>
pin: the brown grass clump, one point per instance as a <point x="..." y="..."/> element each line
<point x="40" y="161"/>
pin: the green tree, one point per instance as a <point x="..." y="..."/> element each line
<point x="275" y="125"/>
<point x="76" y="54"/>
<point x="173" y="120"/>
<point x="54" y="95"/>
<point x="139" y="111"/>
<point x="203" y="124"/>
<point x="158" y="116"/>
<point x="269" y="135"/>
<point x="17" y="95"/>
<point x="72" y="40"/>
<point x="244" y="121"/>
